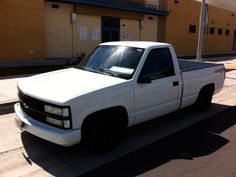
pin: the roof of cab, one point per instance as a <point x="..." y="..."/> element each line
<point x="136" y="44"/>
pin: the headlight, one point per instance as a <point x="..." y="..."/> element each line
<point x="65" y="123"/>
<point x="55" y="121"/>
<point x="56" y="110"/>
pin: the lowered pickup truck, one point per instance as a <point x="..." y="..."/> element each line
<point x="118" y="85"/>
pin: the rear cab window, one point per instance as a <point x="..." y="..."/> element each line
<point x="158" y="64"/>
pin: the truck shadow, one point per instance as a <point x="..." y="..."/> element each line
<point x="137" y="154"/>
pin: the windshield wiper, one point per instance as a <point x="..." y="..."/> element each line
<point x="98" y="70"/>
<point x="95" y="70"/>
<point x="80" y="67"/>
<point x="107" y="71"/>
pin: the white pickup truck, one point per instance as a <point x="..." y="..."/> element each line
<point x="118" y="85"/>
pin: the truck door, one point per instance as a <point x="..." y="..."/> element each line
<point x="158" y="88"/>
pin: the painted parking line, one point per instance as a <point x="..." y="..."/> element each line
<point x="232" y="66"/>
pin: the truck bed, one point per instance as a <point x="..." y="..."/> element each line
<point x="188" y="65"/>
<point x="195" y="75"/>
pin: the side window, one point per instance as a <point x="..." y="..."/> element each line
<point x="158" y="64"/>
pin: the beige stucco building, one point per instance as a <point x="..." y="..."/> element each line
<point x="180" y="28"/>
<point x="37" y="29"/>
<point x="22" y="29"/>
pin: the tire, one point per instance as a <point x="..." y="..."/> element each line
<point x="101" y="134"/>
<point x="204" y="100"/>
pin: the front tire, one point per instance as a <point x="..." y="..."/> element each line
<point x="101" y="134"/>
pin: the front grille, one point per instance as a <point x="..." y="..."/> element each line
<point x="33" y="113"/>
<point x="32" y="107"/>
<point x="35" y="109"/>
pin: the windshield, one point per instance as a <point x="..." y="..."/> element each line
<point x="117" y="61"/>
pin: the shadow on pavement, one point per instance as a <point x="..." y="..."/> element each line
<point x="195" y="141"/>
<point x="200" y="139"/>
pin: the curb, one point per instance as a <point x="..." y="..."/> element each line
<point x="8" y="107"/>
<point x="39" y="62"/>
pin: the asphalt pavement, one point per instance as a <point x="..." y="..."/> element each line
<point x="174" y="145"/>
<point x="206" y="149"/>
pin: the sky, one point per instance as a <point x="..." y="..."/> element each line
<point x="224" y="4"/>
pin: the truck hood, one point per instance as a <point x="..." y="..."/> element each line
<point x="61" y="86"/>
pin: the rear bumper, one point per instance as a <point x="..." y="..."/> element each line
<point x="54" y="135"/>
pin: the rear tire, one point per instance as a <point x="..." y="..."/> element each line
<point x="204" y="99"/>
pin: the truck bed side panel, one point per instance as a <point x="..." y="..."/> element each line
<point x="194" y="80"/>
<point x="189" y="65"/>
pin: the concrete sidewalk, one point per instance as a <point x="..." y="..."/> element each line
<point x="39" y="62"/>
<point x="8" y="86"/>
<point x="8" y="92"/>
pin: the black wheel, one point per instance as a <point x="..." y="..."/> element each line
<point x="204" y="99"/>
<point x="101" y="134"/>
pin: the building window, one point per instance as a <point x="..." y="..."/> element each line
<point x="227" y="32"/>
<point x="192" y="28"/>
<point x="212" y="22"/>
<point x="110" y="29"/>
<point x="55" y="6"/>
<point x="212" y="30"/>
<point x="220" y="31"/>
<point x="150" y="18"/>
<point x="176" y="1"/>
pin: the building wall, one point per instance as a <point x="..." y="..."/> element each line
<point x="91" y="25"/>
<point x="182" y="15"/>
<point x="98" y="11"/>
<point x="149" y="28"/>
<point x="129" y="24"/>
<point x="35" y="29"/>
<point x="90" y="18"/>
<point x="58" y="29"/>
<point x="66" y="39"/>
<point x="22" y="29"/>
<point x="175" y="28"/>
<point x="32" y="29"/>
<point x="130" y="30"/>
<point x="220" y="19"/>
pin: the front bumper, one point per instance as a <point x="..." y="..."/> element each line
<point x="49" y="133"/>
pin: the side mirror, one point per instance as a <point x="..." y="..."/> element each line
<point x="144" y="80"/>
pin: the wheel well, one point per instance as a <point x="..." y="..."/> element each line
<point x="116" y="114"/>
<point x="209" y="87"/>
<point x="204" y="98"/>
